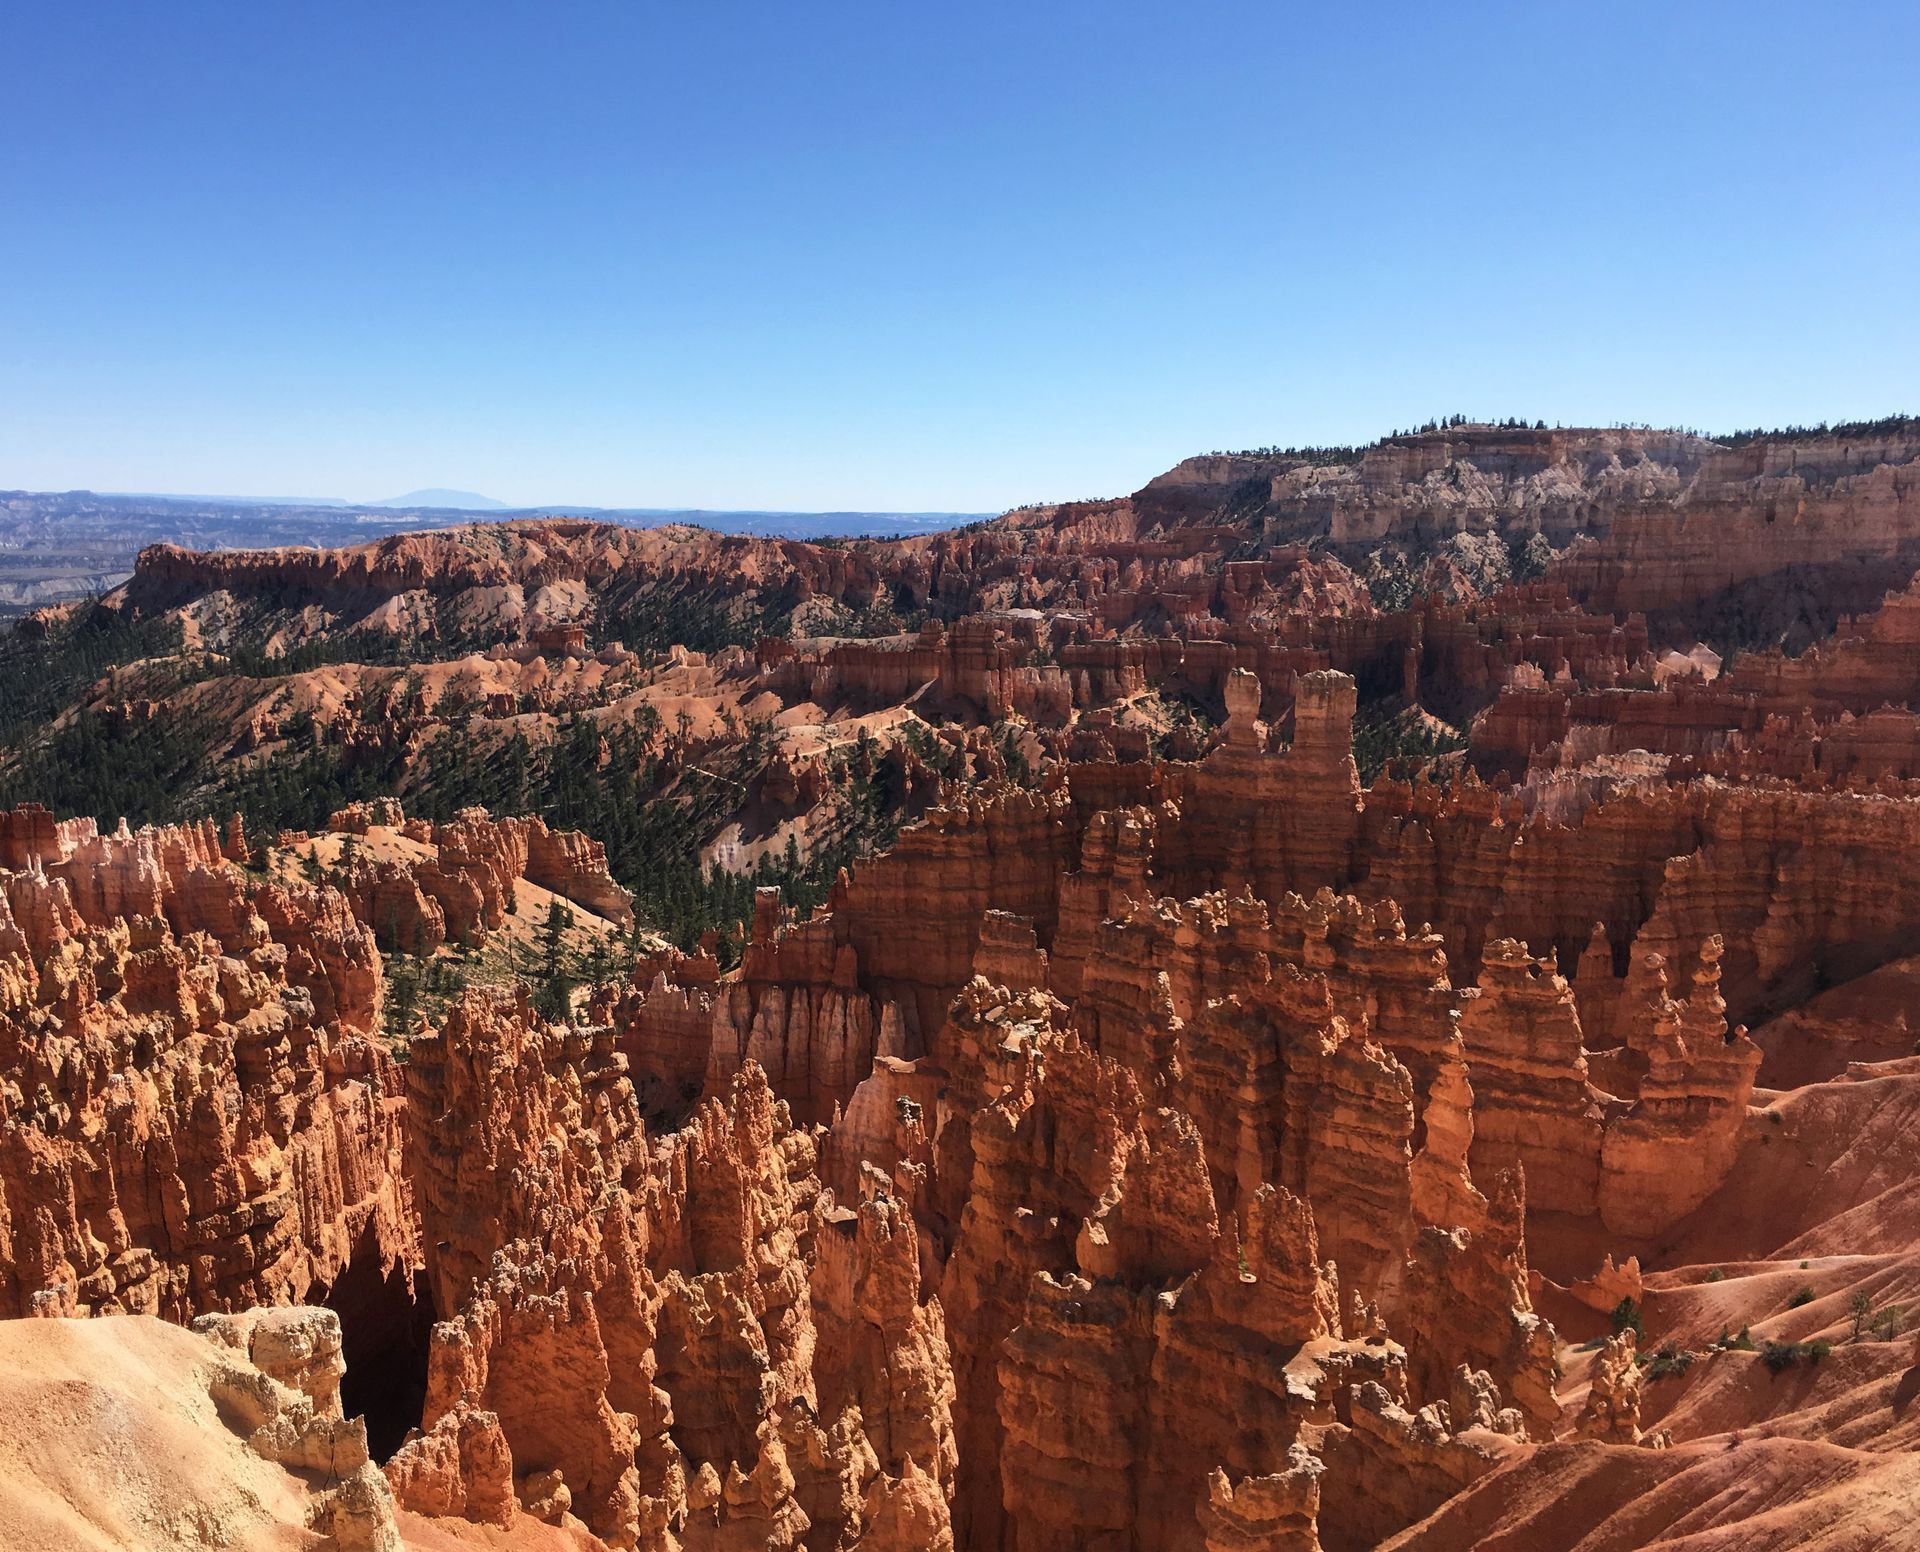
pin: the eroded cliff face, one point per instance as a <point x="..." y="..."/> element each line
<point x="687" y="1332"/>
<point x="1108" y="1165"/>
<point x="1848" y="509"/>
<point x="194" y="1113"/>
<point x="1224" y="1178"/>
<point x="455" y="882"/>
<point x="1173" y="1143"/>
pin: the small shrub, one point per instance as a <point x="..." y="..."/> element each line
<point x="1801" y="1296"/>
<point x="1669" y="1360"/>
<point x="1626" y="1317"/>
<point x="1781" y="1356"/>
<point x="1716" y="1275"/>
<point x="1889" y="1323"/>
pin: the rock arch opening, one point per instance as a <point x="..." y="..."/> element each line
<point x="386" y="1322"/>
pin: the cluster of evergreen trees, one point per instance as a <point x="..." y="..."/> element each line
<point x="1352" y="453"/>
<point x="418" y="987"/>
<point x="54" y="750"/>
<point x="1886" y="425"/>
<point x="556" y="964"/>
<point x="654" y="801"/>
<point x="1397" y="740"/>
<point x="299" y="787"/>
<point x="652" y="797"/>
<point x="91" y="764"/>
<point x="1455" y="422"/>
<point x="41" y="675"/>
<point x="1333" y="453"/>
<point x="701" y="614"/>
<point x="76" y="759"/>
<point x="378" y="649"/>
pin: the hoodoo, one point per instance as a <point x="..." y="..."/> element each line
<point x="1229" y="1019"/>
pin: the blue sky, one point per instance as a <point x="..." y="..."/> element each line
<point x="831" y="254"/>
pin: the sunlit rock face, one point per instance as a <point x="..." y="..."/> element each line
<point x="1173" y="1142"/>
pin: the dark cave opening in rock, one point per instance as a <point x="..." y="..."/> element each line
<point x="385" y="1325"/>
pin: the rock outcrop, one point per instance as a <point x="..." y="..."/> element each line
<point x="192" y="1113"/>
<point x="1185" y="1137"/>
<point x="713" y="1392"/>
<point x="283" y="1395"/>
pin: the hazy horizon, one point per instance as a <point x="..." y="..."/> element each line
<point x="484" y="504"/>
<point x="404" y="503"/>
<point x="873" y="259"/>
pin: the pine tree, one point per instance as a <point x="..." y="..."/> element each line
<point x="553" y="999"/>
<point x="599" y="964"/>
<point x="403" y="996"/>
<point x="552" y="941"/>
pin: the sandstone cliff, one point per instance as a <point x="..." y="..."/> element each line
<point x="1175" y="1141"/>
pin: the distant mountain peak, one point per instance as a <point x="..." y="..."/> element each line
<point x="455" y="500"/>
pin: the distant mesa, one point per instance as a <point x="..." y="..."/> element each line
<point x="448" y="500"/>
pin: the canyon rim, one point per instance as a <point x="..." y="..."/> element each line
<point x="1357" y="997"/>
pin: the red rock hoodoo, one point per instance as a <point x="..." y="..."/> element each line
<point x="1196" y="1132"/>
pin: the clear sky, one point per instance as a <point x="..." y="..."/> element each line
<point x="834" y="254"/>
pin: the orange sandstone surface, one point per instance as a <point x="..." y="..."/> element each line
<point x="1118" y="1175"/>
<point x="1187" y="1150"/>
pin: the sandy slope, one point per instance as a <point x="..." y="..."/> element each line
<point x="1824" y="1455"/>
<point x="110" y="1441"/>
<point x="1758" y="1495"/>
